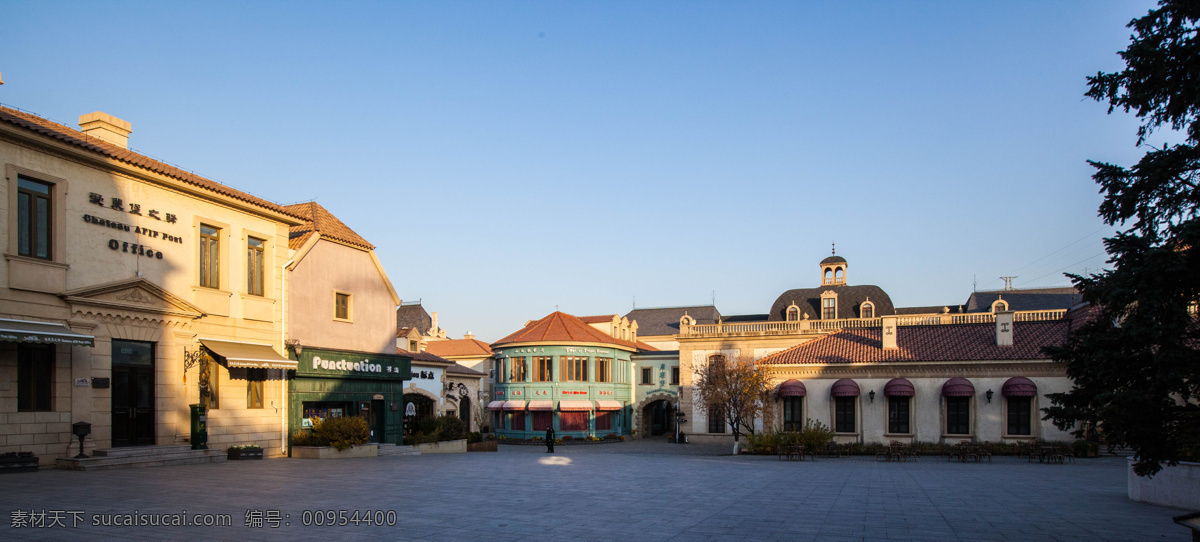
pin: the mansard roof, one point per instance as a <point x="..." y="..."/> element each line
<point x="665" y="320"/>
<point x="848" y="301"/>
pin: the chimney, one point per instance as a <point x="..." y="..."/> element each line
<point x="101" y="125"/>
<point x="433" y="327"/>
<point x="1004" y="328"/>
<point x="889" y="332"/>
<point x="469" y="336"/>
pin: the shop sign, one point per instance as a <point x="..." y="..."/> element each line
<point x="574" y="350"/>
<point x="335" y="364"/>
<point x="574" y="392"/>
<point x="423" y="375"/>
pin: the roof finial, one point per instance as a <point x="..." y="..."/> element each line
<point x="834" y="248"/>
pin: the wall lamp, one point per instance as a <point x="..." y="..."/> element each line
<point x="872" y="395"/>
<point x="989" y="395"/>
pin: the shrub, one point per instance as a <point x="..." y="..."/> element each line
<point x="341" y="433"/>
<point x="474" y="436"/>
<point x="566" y="438"/>
<point x="815" y="435"/>
<point x="451" y="428"/>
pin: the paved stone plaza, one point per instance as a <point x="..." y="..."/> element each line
<point x="623" y="491"/>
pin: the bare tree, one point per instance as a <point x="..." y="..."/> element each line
<point x="736" y="390"/>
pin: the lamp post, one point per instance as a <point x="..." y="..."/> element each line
<point x="678" y="420"/>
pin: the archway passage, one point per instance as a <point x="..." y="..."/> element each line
<point x="417" y="407"/>
<point x="658" y="418"/>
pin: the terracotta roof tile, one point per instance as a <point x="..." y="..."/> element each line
<point x="77" y="138"/>
<point x="422" y="356"/>
<point x="965" y="342"/>
<point x="562" y="327"/>
<point x="320" y="221"/>
<point x="645" y="347"/>
<point x="462" y="370"/>
<point x="459" y="347"/>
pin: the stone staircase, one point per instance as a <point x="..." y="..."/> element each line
<point x="397" y="449"/>
<point x="142" y="456"/>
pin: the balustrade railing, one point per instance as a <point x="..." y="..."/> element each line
<point x="801" y="326"/>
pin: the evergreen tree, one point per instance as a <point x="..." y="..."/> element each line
<point x="1135" y="361"/>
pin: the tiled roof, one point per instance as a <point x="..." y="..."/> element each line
<point x="962" y="342"/>
<point x="77" y="138"/>
<point x="596" y="319"/>
<point x="422" y="356"/>
<point x="564" y="328"/>
<point x="931" y="309"/>
<point x="643" y="347"/>
<point x="1026" y="300"/>
<point x="459" y="347"/>
<point x="849" y="300"/>
<point x="744" y="318"/>
<point x="665" y="321"/>
<point x="409" y="316"/>
<point x="320" y="221"/>
<point x="465" y="371"/>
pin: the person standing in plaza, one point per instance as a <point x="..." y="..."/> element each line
<point x="550" y="440"/>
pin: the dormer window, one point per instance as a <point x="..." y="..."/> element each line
<point x="999" y="305"/>
<point x="866" y="310"/>
<point x="829" y="305"/>
<point x="793" y="313"/>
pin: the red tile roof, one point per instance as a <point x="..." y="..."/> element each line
<point x="77" y="138"/>
<point x="320" y="221"/>
<point x="963" y="342"/>
<point x="422" y="356"/>
<point x="562" y="328"/>
<point x="645" y="347"/>
<point x="463" y="370"/>
<point x="459" y="347"/>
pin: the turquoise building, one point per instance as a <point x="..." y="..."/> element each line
<point x="572" y="374"/>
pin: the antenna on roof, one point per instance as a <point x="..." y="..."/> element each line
<point x="974" y="286"/>
<point x="635" y="302"/>
<point x="1008" y="282"/>
<point x="714" y="298"/>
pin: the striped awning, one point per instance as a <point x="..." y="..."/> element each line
<point x="958" y="387"/>
<point x="608" y="405"/>
<point x="496" y="405"/>
<point x="27" y="331"/>
<point x="514" y="405"/>
<point x="541" y="405"/>
<point x="792" y="388"/>
<point x="899" y="387"/>
<point x="844" y="388"/>
<point x="574" y="406"/>
<point x="250" y="355"/>
<point x="1019" y="386"/>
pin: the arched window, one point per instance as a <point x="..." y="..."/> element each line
<point x="866" y="310"/>
<point x="828" y="279"/>
<point x="793" y="313"/>
<point x="999" y="305"/>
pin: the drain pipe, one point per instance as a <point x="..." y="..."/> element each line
<point x="283" y="420"/>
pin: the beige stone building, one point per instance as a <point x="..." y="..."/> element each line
<point x="170" y="286"/>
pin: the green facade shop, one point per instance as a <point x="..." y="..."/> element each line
<point x="335" y="383"/>
<point x="580" y="391"/>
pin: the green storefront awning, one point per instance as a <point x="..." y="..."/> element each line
<point x="251" y="355"/>
<point x="27" y="331"/>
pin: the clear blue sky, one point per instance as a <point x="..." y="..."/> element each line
<point x="510" y="157"/>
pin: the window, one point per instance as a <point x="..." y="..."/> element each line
<point x="958" y="415"/>
<point x="575" y="369"/>
<point x="999" y="306"/>
<point x="35" y="377"/>
<point x="674" y="376"/>
<point x="603" y="369"/>
<point x="210" y="380"/>
<point x="793" y="313"/>
<point x="255" y="248"/>
<point x="413" y="345"/>
<point x="254" y="393"/>
<point x="647" y="375"/>
<point x="543" y="369"/>
<point x="542" y="419"/>
<point x="793" y="413"/>
<point x="829" y="308"/>
<point x="500" y="370"/>
<point x="1020" y="414"/>
<point x="867" y="310"/>
<point x="843" y="414"/>
<point x="33" y="218"/>
<point x="898" y="415"/>
<point x="341" y="306"/>
<point x="210" y="256"/>
<point x="621" y="375"/>
<point x="604" y="421"/>
<point x="516" y="369"/>
<point x="573" y="421"/>
<point x="498" y="420"/>
<point x="516" y="421"/>
<point x="716" y="421"/>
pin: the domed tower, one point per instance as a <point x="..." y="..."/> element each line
<point x="833" y="270"/>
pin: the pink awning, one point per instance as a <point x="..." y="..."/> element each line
<point x="792" y="388"/>
<point x="844" y="388"/>
<point x="496" y="405"/>
<point x="899" y="387"/>
<point x="1019" y="386"/>
<point x="541" y="405"/>
<point x="608" y="405"/>
<point x="574" y="406"/>
<point x="514" y="405"/>
<point x="958" y="387"/>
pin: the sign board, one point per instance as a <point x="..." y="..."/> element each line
<point x="315" y="362"/>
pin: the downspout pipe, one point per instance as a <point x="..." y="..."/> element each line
<point x="283" y="421"/>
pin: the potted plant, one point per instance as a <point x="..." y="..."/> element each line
<point x="18" y="462"/>
<point x="244" y="452"/>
